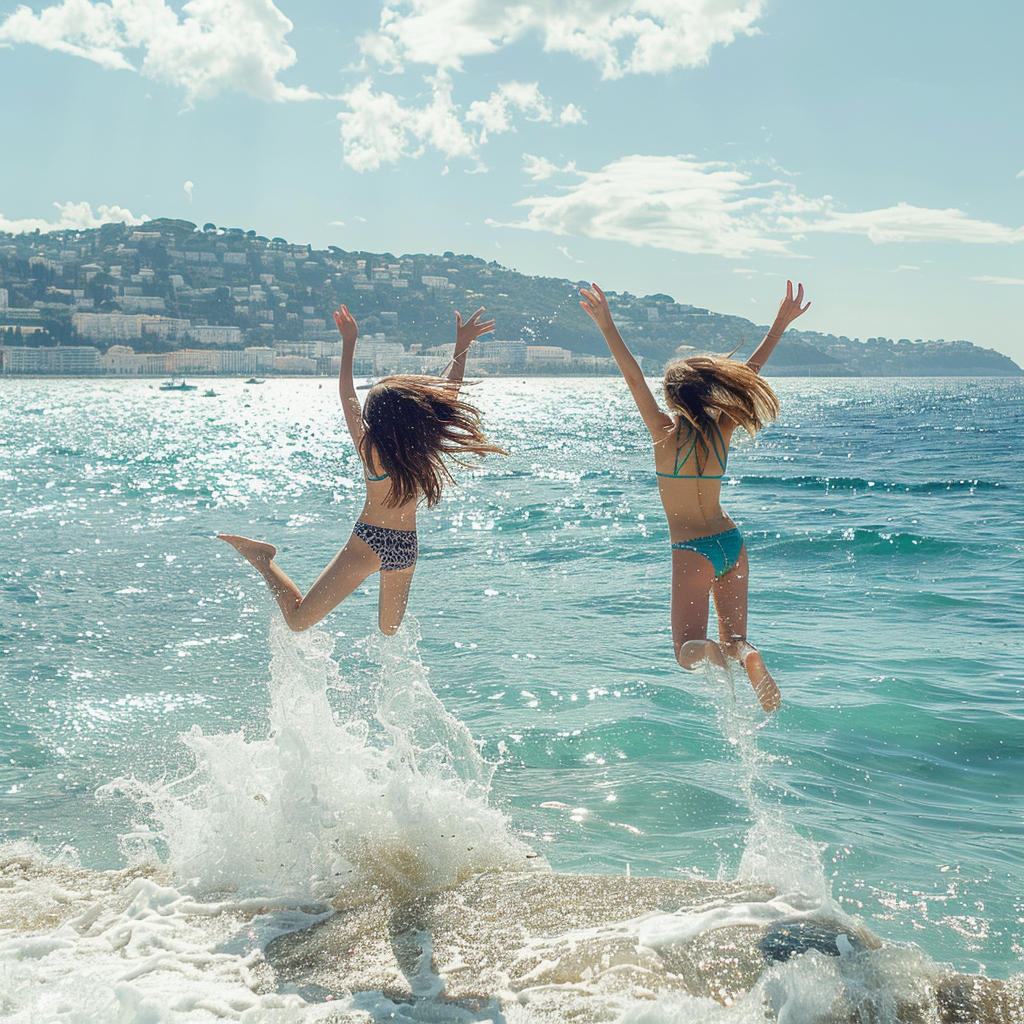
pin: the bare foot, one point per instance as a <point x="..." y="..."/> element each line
<point x="760" y="679"/>
<point x="258" y="554"/>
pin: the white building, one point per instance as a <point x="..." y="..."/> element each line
<point x="498" y="354"/>
<point x="294" y="364"/>
<point x="165" y="326"/>
<point x="119" y="327"/>
<point x="540" y="356"/>
<point x="3" y="298"/>
<point x="259" y="359"/>
<point x="141" y="303"/>
<point x="107" y="326"/>
<point x="122" y="360"/>
<point x="157" y="363"/>
<point x="232" y="360"/>
<point x="195" y="360"/>
<point x="60" y="359"/>
<point x="219" y="336"/>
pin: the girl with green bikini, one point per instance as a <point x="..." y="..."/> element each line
<point x="709" y="397"/>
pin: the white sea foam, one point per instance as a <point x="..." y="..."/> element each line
<point x="88" y="947"/>
<point x="392" y="791"/>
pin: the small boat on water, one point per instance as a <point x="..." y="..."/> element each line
<point x="255" y="380"/>
<point x="177" y="385"/>
<point x="210" y="393"/>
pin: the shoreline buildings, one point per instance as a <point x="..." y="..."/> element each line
<point x="375" y="356"/>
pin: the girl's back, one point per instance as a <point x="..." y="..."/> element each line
<point x="690" y="469"/>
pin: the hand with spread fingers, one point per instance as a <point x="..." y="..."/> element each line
<point x="466" y="333"/>
<point x="595" y="305"/>
<point x="790" y="308"/>
<point x="347" y="325"/>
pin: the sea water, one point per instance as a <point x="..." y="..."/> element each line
<point x="164" y="739"/>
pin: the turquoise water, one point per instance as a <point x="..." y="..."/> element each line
<point x="883" y="522"/>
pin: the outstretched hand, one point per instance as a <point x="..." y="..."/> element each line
<point x="595" y="305"/>
<point x="790" y="308"/>
<point x="466" y="333"/>
<point x="347" y="325"/>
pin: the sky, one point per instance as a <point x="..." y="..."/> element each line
<point x="705" y="149"/>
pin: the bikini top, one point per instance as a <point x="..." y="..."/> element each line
<point x="373" y="479"/>
<point x="720" y="449"/>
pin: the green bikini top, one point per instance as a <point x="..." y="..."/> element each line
<point x="720" y="449"/>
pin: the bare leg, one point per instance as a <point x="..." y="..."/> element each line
<point x="393" y="597"/>
<point x="350" y="567"/>
<point x="692" y="576"/>
<point x="730" y="594"/>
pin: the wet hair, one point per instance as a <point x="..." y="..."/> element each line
<point x="702" y="389"/>
<point x="410" y="424"/>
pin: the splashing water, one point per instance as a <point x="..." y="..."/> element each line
<point x="397" y="797"/>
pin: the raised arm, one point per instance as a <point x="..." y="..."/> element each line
<point x="595" y="305"/>
<point x="465" y="334"/>
<point x="789" y="309"/>
<point x="346" y="385"/>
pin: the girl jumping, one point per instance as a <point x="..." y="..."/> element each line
<point x="407" y="426"/>
<point x="709" y="397"/>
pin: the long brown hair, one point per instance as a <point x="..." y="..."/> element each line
<point x="410" y="423"/>
<point x="702" y="389"/>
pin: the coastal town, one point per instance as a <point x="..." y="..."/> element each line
<point x="152" y="301"/>
<point x="167" y="298"/>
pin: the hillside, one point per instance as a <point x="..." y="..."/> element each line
<point x="278" y="293"/>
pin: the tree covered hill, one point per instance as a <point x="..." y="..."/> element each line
<point x="280" y="293"/>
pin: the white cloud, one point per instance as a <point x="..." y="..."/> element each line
<point x="678" y="203"/>
<point x="906" y="223"/>
<point x="215" y="45"/>
<point x="905" y="266"/>
<point x="378" y="129"/>
<point x="663" y="202"/>
<point x="375" y="130"/>
<point x="564" y="250"/>
<point x="494" y="114"/>
<point x="1020" y="174"/>
<point x="73" y="217"/>
<point x="540" y="168"/>
<point x="619" y="36"/>
<point x="988" y="279"/>
<point x="189" y="186"/>
<point x="571" y="114"/>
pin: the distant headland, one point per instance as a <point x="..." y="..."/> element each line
<point x="168" y="297"/>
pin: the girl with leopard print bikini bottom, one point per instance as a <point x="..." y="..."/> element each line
<point x="407" y="427"/>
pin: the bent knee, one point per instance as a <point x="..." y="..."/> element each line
<point x="297" y="622"/>
<point x="693" y="653"/>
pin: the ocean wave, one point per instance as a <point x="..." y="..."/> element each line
<point x="855" y="483"/>
<point x="858" y="541"/>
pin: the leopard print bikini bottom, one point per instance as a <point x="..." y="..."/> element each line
<point x="396" y="549"/>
